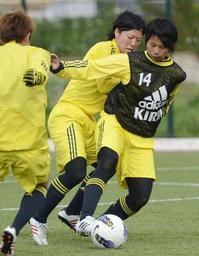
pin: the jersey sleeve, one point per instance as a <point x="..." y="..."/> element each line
<point x="104" y="86"/>
<point x="172" y="95"/>
<point x="114" y="65"/>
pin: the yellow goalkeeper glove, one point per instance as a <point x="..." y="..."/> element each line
<point x="33" y="77"/>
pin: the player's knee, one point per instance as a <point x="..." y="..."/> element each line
<point x="106" y="164"/>
<point x="77" y="169"/>
<point x="107" y="159"/>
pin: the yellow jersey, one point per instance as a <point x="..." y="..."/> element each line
<point x="115" y="66"/>
<point x="148" y="92"/>
<point x="22" y="109"/>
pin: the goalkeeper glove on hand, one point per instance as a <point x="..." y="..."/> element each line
<point x="33" y="77"/>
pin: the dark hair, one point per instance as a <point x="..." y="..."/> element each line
<point x="15" y="26"/>
<point x="165" y="30"/>
<point x="127" y="21"/>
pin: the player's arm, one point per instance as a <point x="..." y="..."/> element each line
<point x="114" y="65"/>
<point x="172" y="95"/>
<point x="104" y="86"/>
<point x="37" y="72"/>
<point x="94" y="53"/>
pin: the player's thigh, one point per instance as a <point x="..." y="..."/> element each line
<point x="109" y="134"/>
<point x="69" y="142"/>
<point x="31" y="167"/>
<point x="90" y="143"/>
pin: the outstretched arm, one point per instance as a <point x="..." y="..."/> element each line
<point x="114" y="65"/>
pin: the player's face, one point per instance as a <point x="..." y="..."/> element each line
<point x="128" y="41"/>
<point x="156" y="49"/>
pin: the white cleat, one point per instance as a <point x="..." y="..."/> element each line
<point x="85" y="226"/>
<point x="38" y="232"/>
<point x="69" y="220"/>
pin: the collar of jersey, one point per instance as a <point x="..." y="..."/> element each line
<point x="115" y="45"/>
<point x="12" y="42"/>
<point x="163" y="63"/>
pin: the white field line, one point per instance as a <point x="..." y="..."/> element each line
<point x="179" y="184"/>
<point x="160" y="169"/>
<point x="167" y="200"/>
<point x="185" y="184"/>
<point x="165" y="144"/>
<point x="177" y="144"/>
<point x="178" y="168"/>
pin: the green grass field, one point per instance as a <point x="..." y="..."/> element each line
<point x="168" y="225"/>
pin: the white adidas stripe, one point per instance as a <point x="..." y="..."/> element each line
<point x="159" y="95"/>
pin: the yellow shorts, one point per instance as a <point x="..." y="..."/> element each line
<point x="73" y="133"/>
<point x="30" y="167"/>
<point x="136" y="154"/>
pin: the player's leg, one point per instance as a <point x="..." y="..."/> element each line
<point x="9" y="237"/>
<point x="75" y="205"/>
<point x="137" y="172"/>
<point x="34" y="180"/>
<point x="110" y="142"/>
<point x="139" y="194"/>
<point x="29" y="206"/>
<point x="28" y="170"/>
<point x="71" y="213"/>
<point x="71" y="160"/>
<point x="107" y="161"/>
<point x="60" y="186"/>
<point x="56" y="192"/>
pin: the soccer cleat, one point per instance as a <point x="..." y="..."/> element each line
<point x="8" y="241"/>
<point x="85" y="226"/>
<point x="38" y="232"/>
<point x="69" y="220"/>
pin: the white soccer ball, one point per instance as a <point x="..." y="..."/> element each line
<point x="109" y="232"/>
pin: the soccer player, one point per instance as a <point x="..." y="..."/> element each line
<point x="72" y="125"/>
<point x="133" y="110"/>
<point x="132" y="113"/>
<point x="23" y="136"/>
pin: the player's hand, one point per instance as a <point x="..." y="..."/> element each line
<point x="33" y="77"/>
<point x="55" y="65"/>
<point x="55" y="62"/>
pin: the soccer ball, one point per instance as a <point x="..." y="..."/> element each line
<point x="109" y="232"/>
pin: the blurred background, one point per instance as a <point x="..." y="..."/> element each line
<point x="70" y="27"/>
